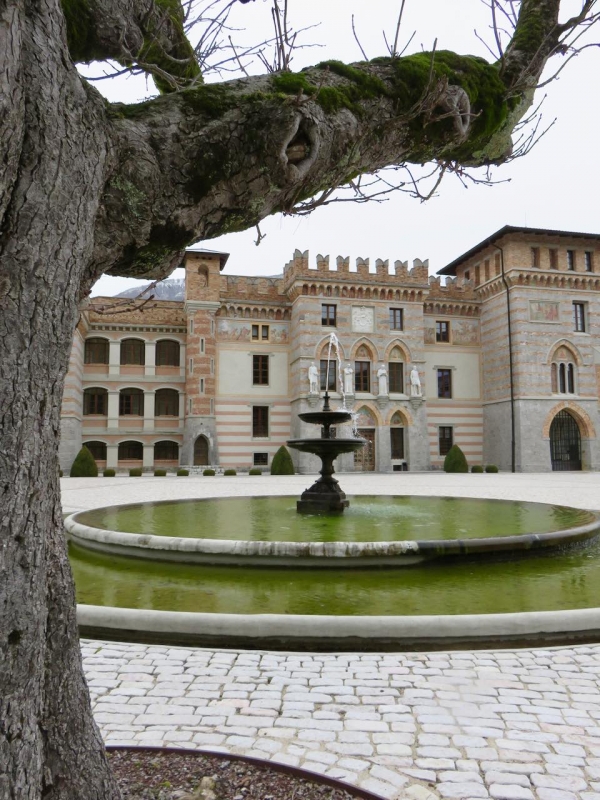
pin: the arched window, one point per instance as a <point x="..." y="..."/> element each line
<point x="131" y="403"/>
<point x="133" y="351"/>
<point x="166" y="451"/>
<point x="131" y="451"/>
<point x="166" y="403"/>
<point x="396" y="370"/>
<point x="167" y="353"/>
<point x="362" y="370"/>
<point x="397" y="436"/>
<point x="97" y="449"/>
<point x="563" y="372"/>
<point x="95" y="401"/>
<point x="95" y="351"/>
<point x="328" y="372"/>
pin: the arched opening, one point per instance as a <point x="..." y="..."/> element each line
<point x="366" y="424"/>
<point x="362" y="369"/>
<point x="565" y="442"/>
<point x="166" y="403"/>
<point x="97" y="449"/>
<point x="396" y="371"/>
<point x="95" y="351"/>
<point x="166" y="452"/>
<point x="201" y="452"/>
<point x="133" y="352"/>
<point x="131" y="451"/>
<point x="95" y="401"/>
<point x="397" y="441"/>
<point x="167" y="353"/>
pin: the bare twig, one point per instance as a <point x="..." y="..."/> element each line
<point x="260" y="235"/>
<point x="364" y="55"/>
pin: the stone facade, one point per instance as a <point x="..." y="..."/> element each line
<point x="225" y="374"/>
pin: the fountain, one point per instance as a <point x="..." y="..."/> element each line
<point x="325" y="496"/>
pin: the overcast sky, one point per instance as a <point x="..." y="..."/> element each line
<point x="556" y="186"/>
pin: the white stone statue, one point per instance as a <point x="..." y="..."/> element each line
<point x="415" y="382"/>
<point x="313" y="378"/>
<point x="382" y="375"/>
<point x="348" y="379"/>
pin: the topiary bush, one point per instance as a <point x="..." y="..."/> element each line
<point x="84" y="465"/>
<point x="255" y="471"/>
<point x="230" y="472"/>
<point x="282" y="463"/>
<point x="183" y="473"/>
<point x="477" y="468"/>
<point x="209" y="472"/>
<point x="491" y="468"/>
<point x="109" y="473"/>
<point x="160" y="473"/>
<point x="135" y="472"/>
<point x="455" y="460"/>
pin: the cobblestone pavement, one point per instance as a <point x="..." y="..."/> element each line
<point x="511" y="725"/>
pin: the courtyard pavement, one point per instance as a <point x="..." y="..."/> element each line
<point x="519" y="724"/>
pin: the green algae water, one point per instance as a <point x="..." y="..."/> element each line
<point x="369" y="519"/>
<point x="550" y="581"/>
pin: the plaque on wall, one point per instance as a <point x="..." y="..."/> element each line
<point x="362" y="319"/>
<point x="543" y="311"/>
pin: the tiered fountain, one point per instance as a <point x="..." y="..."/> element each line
<point x="325" y="496"/>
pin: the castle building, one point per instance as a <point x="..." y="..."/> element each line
<point x="502" y="359"/>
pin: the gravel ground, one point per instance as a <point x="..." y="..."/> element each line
<point x="155" y="775"/>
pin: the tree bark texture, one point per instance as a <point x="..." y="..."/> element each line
<point x="87" y="187"/>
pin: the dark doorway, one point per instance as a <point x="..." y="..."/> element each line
<point x="201" y="452"/>
<point x="565" y="443"/>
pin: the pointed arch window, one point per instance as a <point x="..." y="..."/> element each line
<point x="396" y="371"/>
<point x="564" y="372"/>
<point x="362" y="370"/>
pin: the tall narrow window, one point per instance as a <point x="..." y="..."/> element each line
<point x="570" y="378"/>
<point x="553" y="253"/>
<point x="579" y="317"/>
<point x="396" y="376"/>
<point x="497" y="263"/>
<point x="444" y="381"/>
<point x="486" y="269"/>
<point x="535" y="256"/>
<point x="328" y="381"/>
<point x="328" y="315"/>
<point x="396" y="321"/>
<point x="442" y="331"/>
<point x="445" y="439"/>
<point x="589" y="261"/>
<point x="397" y="442"/>
<point x="362" y="376"/>
<point x="260" y="370"/>
<point x="571" y="259"/>
<point x="131" y="403"/>
<point x="260" y="422"/>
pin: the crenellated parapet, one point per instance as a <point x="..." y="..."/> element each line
<point x="453" y="289"/>
<point x="252" y="289"/>
<point x="299" y="271"/>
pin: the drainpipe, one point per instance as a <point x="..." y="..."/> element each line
<point x="510" y="362"/>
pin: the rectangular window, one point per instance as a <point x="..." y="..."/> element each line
<point x="191" y="366"/>
<point x="571" y="259"/>
<point x="362" y="376"/>
<point x="397" y="442"/>
<point x="260" y="459"/>
<point x="95" y="401"/>
<point x="553" y="253"/>
<point x="201" y="385"/>
<point x="133" y="351"/>
<point x="396" y="373"/>
<point x="260" y="422"/>
<point x="212" y="406"/>
<point x="535" y="256"/>
<point x="191" y="326"/>
<point x="579" y="317"/>
<point x="96" y="351"/>
<point x="167" y="353"/>
<point x="202" y="345"/>
<point x="467" y="275"/>
<point x="444" y="381"/>
<point x="212" y="366"/>
<point x="396" y="319"/>
<point x="260" y="370"/>
<point x="497" y="263"/>
<point x="260" y="333"/>
<point x="255" y="331"/>
<point x="442" y="331"/>
<point x="486" y="269"/>
<point x="445" y="439"/>
<point x="477" y="275"/>
<point x="328" y="382"/>
<point x="131" y="403"/>
<point x="589" y="261"/>
<point x="328" y="315"/>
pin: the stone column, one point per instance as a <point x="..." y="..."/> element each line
<point x="112" y="455"/>
<point x="113" y="409"/>
<point x="148" y="455"/>
<point x="149" y="410"/>
<point x="150" y="358"/>
<point x="182" y="362"/>
<point x="114" y="357"/>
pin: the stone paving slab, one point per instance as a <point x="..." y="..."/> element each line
<point x="507" y="725"/>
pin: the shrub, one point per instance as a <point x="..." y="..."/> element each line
<point x="160" y="473"/>
<point x="230" y="472"/>
<point x="209" y="472"/>
<point x="60" y="473"/>
<point x="491" y="468"/>
<point x="455" y="461"/>
<point x="84" y="465"/>
<point x="477" y="468"/>
<point x="255" y="471"/>
<point x="135" y="472"/>
<point x="183" y="473"/>
<point x="282" y="463"/>
<point x="109" y="473"/>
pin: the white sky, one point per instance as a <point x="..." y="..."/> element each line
<point x="555" y="186"/>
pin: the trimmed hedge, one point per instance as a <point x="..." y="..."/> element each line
<point x="160" y="473"/>
<point x="109" y="473"/>
<point x="491" y="468"/>
<point x="135" y="472"/>
<point x="255" y="471"/>
<point x="183" y="473"/>
<point x="209" y="472"/>
<point x="282" y="463"/>
<point x="84" y="465"/>
<point x="455" y="461"/>
<point x="477" y="469"/>
<point x="230" y="472"/>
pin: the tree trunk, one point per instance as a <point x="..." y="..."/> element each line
<point x="50" y="746"/>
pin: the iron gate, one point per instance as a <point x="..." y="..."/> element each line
<point x="565" y="443"/>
